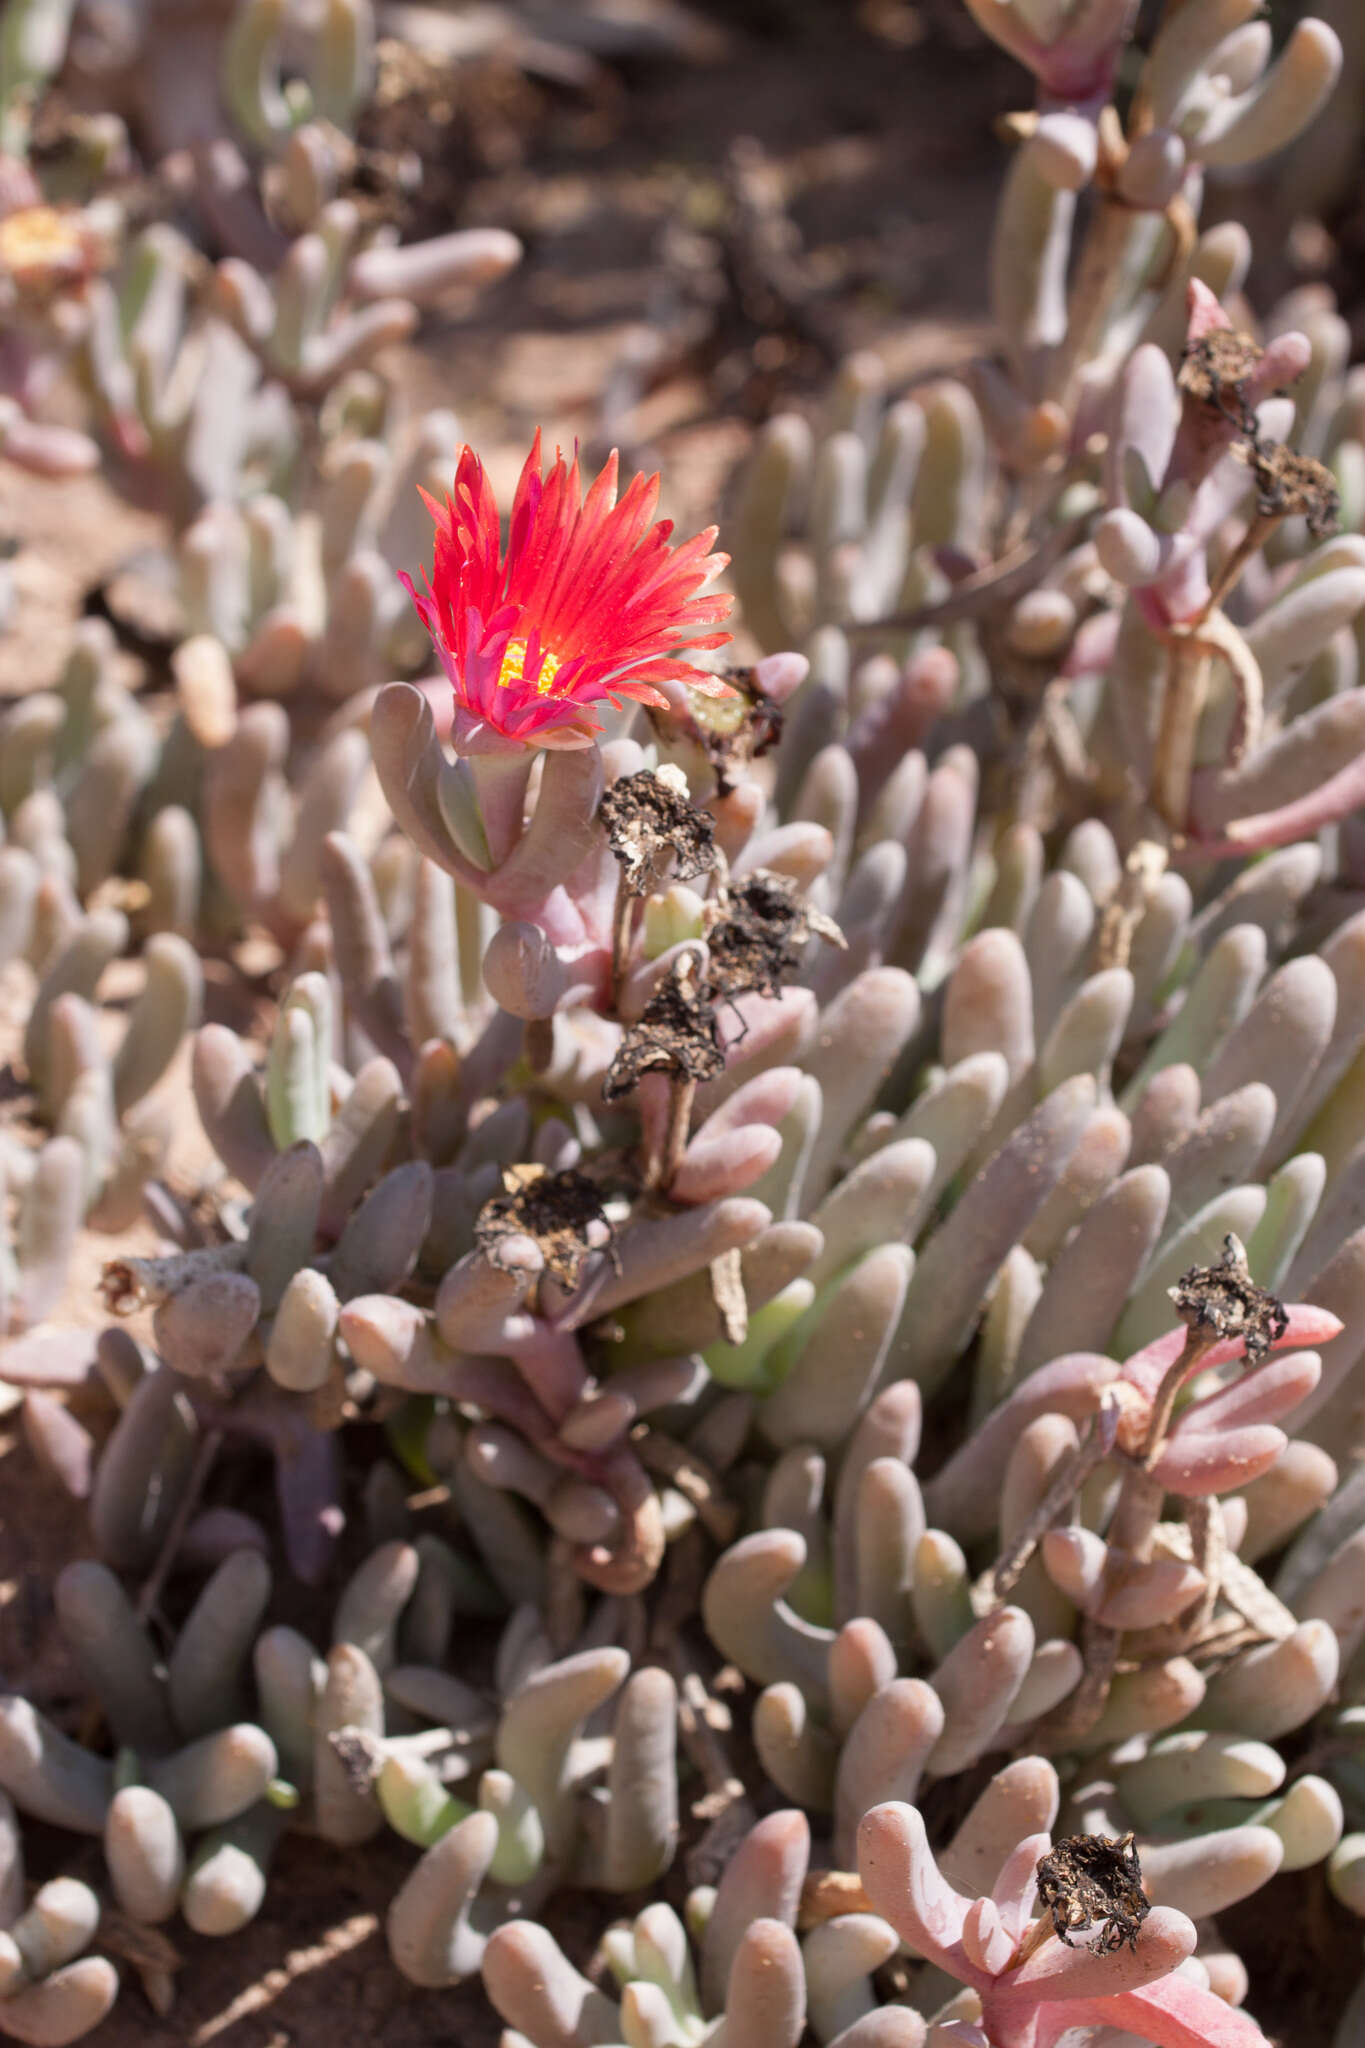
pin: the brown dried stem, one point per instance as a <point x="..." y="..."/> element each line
<point x="693" y="1478"/>
<point x="1080" y="1710"/>
<point x="997" y="585"/>
<point x="1263" y="525"/>
<point x="682" y="1090"/>
<point x="1197" y="1343"/>
<point x="622" y="927"/>
<point x="1182" y="706"/>
<point x="1070" y="1478"/>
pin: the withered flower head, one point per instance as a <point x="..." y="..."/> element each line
<point x="1290" y="485"/>
<point x="45" y="251"/>
<point x="562" y="1212"/>
<point x="756" y="944"/>
<point x="1094" y="1881"/>
<point x="130" y="1284"/>
<point x="655" y="832"/>
<point x="734" y="731"/>
<point x="678" y="1034"/>
<point x="1214" y="369"/>
<point x="1224" y="1301"/>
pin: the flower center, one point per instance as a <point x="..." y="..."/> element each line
<point x="40" y="245"/>
<point x="514" y="663"/>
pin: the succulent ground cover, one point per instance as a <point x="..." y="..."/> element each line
<point x="739" y="1421"/>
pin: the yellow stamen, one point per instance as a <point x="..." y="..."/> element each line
<point x="514" y="663"/>
<point x="41" y="245"/>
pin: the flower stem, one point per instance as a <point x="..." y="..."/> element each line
<point x="1255" y="538"/>
<point x="1197" y="1343"/>
<point x="1139" y="1503"/>
<point x="1186" y="686"/>
<point x="500" y="781"/>
<point x="1187" y="681"/>
<point x="662" y="1164"/>
<point x="680" y="1101"/>
<point x="1035" y="1934"/>
<point x="622" y="925"/>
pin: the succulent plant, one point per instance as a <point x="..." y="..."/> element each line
<point x="786" y="1241"/>
<point x="192" y="1809"/>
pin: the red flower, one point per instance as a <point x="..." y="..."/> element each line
<point x="587" y="601"/>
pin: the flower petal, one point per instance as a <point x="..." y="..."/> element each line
<point x="587" y="601"/>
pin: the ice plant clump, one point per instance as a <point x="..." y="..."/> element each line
<point x="587" y="601"/>
<point x="579" y="1252"/>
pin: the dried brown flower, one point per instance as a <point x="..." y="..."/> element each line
<point x="756" y="943"/>
<point x="1224" y="1301"/>
<point x="1215" y="368"/>
<point x="655" y="832"/>
<point x="1289" y="484"/>
<point x="562" y="1212"/>
<point x="678" y="1034"/>
<point x="1094" y="1881"/>
<point x="46" y="253"/>
<point x="734" y="731"/>
<point x="1214" y="371"/>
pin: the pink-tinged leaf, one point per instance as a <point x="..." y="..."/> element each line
<point x="1034" y="2003"/>
<point x="1217" y="1464"/>
<point x="1173" y="2013"/>
<point x="1055" y="1972"/>
<point x="726" y="1164"/>
<point x="1148" y="1595"/>
<point x="891" y="726"/>
<point x="780" y="676"/>
<point x="1328" y="804"/>
<point x="764" y="1100"/>
<point x="1263" y="1395"/>
<point x="1146" y="414"/>
<point x="755" y="1030"/>
<point x="1206" y="315"/>
<point x="965" y="1496"/>
<point x="907" y="1888"/>
<point x="1285" y="359"/>
<point x="1307" y="1326"/>
<point x="984" y="1940"/>
<point x="1016" y="1887"/>
<point x="1095" y="645"/>
<point x="561" y="834"/>
<point x="436" y="690"/>
<point x="1075" y="1560"/>
<point x="52" y="451"/>
<point x="44" y="1357"/>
